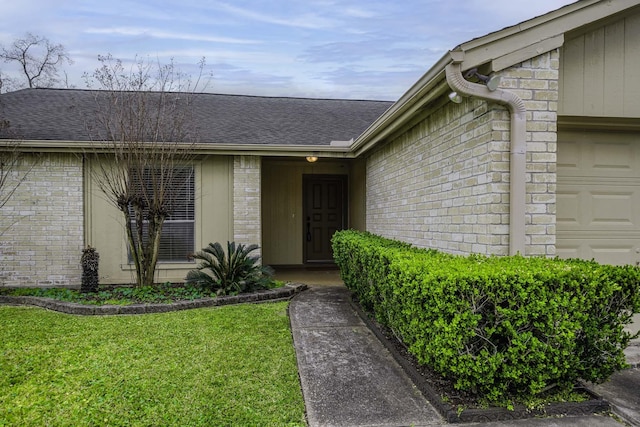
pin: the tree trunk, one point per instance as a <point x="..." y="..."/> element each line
<point x="144" y="255"/>
<point x="133" y="248"/>
<point x="153" y="246"/>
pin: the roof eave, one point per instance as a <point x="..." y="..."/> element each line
<point x="512" y="45"/>
<point x="59" y="146"/>
<point x="411" y="101"/>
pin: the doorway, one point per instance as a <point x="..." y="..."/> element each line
<point x="325" y="212"/>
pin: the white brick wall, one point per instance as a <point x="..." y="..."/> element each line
<point x="246" y="200"/>
<point x="43" y="222"/>
<point x="444" y="182"/>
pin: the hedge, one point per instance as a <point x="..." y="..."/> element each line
<point x="506" y="328"/>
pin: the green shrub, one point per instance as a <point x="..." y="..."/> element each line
<point x="363" y="267"/>
<point x="503" y="327"/>
<point x="232" y="273"/>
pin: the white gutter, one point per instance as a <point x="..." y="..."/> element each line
<point x="342" y="151"/>
<point x="518" y="144"/>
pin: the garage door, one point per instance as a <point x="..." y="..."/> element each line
<point x="598" y="196"/>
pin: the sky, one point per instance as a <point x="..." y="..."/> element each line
<point x="348" y="49"/>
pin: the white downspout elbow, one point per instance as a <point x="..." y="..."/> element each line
<point x="517" y="191"/>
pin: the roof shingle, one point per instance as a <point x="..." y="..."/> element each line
<point x="61" y="115"/>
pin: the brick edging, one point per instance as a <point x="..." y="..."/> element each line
<point x="279" y="294"/>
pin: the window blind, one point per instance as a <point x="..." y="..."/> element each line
<point x="177" y="239"/>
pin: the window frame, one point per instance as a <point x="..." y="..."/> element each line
<point x="190" y="209"/>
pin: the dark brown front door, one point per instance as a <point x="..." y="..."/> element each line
<point x="325" y="212"/>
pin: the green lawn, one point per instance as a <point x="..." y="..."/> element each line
<point x="232" y="365"/>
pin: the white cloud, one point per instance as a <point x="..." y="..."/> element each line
<point x="357" y="12"/>
<point x="134" y="31"/>
<point x="307" y="20"/>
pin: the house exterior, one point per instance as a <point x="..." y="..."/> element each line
<point x="545" y="163"/>
<point x="250" y="167"/>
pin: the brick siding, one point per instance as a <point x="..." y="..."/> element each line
<point x="42" y="224"/>
<point x="444" y="182"/>
<point x="246" y="200"/>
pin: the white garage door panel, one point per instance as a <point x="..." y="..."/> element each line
<point x="604" y="207"/>
<point x="606" y="250"/>
<point x="598" y="155"/>
<point x="598" y="197"/>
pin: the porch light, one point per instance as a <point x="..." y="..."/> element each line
<point x="312" y="159"/>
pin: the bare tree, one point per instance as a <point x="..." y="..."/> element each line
<point x="9" y="162"/>
<point x="143" y="147"/>
<point x="39" y="61"/>
<point x="14" y="169"/>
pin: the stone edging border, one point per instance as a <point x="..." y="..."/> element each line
<point x="472" y="415"/>
<point x="279" y="294"/>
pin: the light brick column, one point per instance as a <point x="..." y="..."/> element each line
<point x="42" y="224"/>
<point x="247" y="227"/>
<point x="536" y="82"/>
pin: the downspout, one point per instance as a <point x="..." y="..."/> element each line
<point x="518" y="145"/>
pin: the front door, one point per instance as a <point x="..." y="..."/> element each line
<point x="325" y="212"/>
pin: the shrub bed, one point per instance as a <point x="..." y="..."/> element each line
<point x="506" y="328"/>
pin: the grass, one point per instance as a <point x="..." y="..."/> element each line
<point x="232" y="365"/>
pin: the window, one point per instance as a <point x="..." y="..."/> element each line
<point x="177" y="240"/>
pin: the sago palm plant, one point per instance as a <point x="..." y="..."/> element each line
<point x="232" y="273"/>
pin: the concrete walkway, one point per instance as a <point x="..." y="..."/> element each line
<point x="350" y="379"/>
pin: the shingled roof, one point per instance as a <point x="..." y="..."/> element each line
<point x="61" y="115"/>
